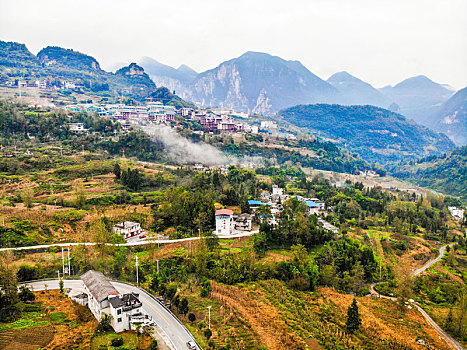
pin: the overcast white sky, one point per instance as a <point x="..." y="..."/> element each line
<point x="379" y="41"/>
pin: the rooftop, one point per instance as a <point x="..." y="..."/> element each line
<point x="99" y="285"/>
<point x="227" y="212"/>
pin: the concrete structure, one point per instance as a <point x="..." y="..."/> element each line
<point x="243" y="222"/>
<point x="128" y="229"/>
<point x="313" y="208"/>
<point x="224" y="222"/>
<point x="457" y="213"/>
<point x="103" y="298"/>
<point x="77" y="127"/>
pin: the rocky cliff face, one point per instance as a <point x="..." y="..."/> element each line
<point x="260" y="83"/>
<point x="452" y="118"/>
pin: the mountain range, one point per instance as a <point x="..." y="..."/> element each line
<point x="261" y="83"/>
<point x="254" y="82"/>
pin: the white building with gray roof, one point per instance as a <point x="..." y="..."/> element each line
<point x="103" y="298"/>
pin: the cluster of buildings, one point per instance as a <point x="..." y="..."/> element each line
<point x="457" y="213"/>
<point x="227" y="223"/>
<point x="44" y="84"/>
<point x="101" y="297"/>
<point x="211" y="120"/>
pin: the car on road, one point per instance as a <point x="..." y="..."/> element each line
<point x="191" y="345"/>
<point x="142" y="236"/>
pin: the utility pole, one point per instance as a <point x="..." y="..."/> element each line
<point x="209" y="308"/>
<point x="69" y="263"/>
<point x="63" y="263"/>
<point x="137" y="277"/>
<point x="157" y="262"/>
<point x="82" y="149"/>
<point x="58" y="271"/>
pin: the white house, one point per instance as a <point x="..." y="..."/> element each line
<point x="128" y="229"/>
<point x="76" y="127"/>
<point x="102" y="298"/>
<point x="223" y="222"/>
<point x="243" y="222"/>
<point x="458" y="213"/>
<point x="313" y="208"/>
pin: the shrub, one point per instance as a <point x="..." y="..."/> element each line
<point x="118" y="341"/>
<point x="25" y="294"/>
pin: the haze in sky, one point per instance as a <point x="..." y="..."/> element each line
<point x="382" y="42"/>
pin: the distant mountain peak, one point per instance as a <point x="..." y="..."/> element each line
<point x="420" y="82"/>
<point x="343" y="76"/>
<point x="132" y="69"/>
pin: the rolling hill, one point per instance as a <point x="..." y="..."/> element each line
<point x="446" y="173"/>
<point x="377" y="134"/>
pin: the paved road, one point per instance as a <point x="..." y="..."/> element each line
<point x="434" y="261"/>
<point x="128" y="244"/>
<point x="175" y="335"/>
<point x="454" y="344"/>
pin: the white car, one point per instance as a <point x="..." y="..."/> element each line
<point x="191" y="345"/>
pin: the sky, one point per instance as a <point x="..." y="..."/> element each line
<point x="379" y="41"/>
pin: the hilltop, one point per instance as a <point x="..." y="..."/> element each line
<point x="377" y="134"/>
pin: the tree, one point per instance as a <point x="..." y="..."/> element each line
<point x="117" y="170"/>
<point x="207" y="333"/>
<point x="104" y="324"/>
<point x="183" y="308"/>
<point x="60" y="285"/>
<point x="8" y="280"/>
<point x="80" y="195"/>
<point x="405" y="285"/>
<point x="191" y="317"/>
<point x="27" y="197"/>
<point x="354" y="321"/>
<point x="25" y="294"/>
<point x="154" y="345"/>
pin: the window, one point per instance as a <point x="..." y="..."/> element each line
<point x="119" y="311"/>
<point x="119" y="319"/>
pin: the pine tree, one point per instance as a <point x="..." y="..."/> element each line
<point x="353" y="317"/>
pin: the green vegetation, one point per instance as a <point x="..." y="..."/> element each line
<point x="374" y="133"/>
<point x="446" y="173"/>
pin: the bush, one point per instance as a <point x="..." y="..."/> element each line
<point x="118" y="341"/>
<point x="154" y="345"/>
<point x="25" y="294"/>
<point x="104" y="324"/>
<point x="207" y="333"/>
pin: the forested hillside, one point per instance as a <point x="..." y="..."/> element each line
<point x="446" y="173"/>
<point x="377" y="134"/>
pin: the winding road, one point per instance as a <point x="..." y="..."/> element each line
<point x="453" y="343"/>
<point x="172" y="331"/>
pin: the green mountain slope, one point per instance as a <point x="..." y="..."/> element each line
<point x="375" y="133"/>
<point x="56" y="64"/>
<point x="446" y="173"/>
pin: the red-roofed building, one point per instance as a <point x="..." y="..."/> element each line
<point x="223" y="221"/>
